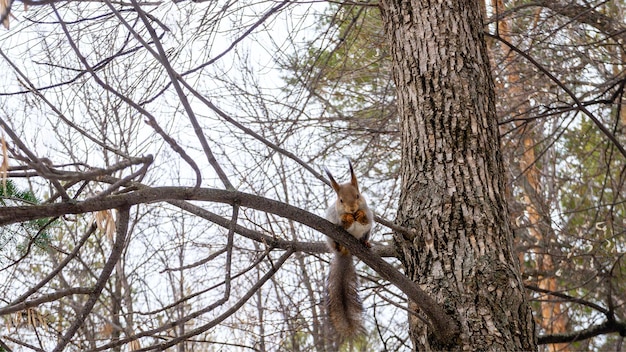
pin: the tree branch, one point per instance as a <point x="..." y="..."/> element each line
<point x="444" y="325"/>
<point x="578" y="103"/>
<point x="58" y="269"/>
<point x="45" y="298"/>
<point x="605" y="328"/>
<point x="568" y="298"/>
<point x="254" y="289"/>
<point x="589" y="16"/>
<point x="116" y="252"/>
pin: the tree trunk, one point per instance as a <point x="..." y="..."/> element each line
<point x="453" y="177"/>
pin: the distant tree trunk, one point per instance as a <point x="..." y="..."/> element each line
<point x="453" y="177"/>
<point x="553" y="319"/>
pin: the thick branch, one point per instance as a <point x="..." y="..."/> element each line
<point x="605" y="328"/>
<point x="272" y="241"/>
<point x="444" y="325"/>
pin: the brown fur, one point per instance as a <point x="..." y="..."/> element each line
<point x="343" y="303"/>
<point x="351" y="212"/>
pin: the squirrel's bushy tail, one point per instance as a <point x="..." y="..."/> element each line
<point x="344" y="306"/>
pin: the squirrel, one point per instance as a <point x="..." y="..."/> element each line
<point x="350" y="210"/>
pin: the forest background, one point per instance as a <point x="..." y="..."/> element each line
<point x="156" y="98"/>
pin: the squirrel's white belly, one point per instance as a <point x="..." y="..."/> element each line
<point x="359" y="230"/>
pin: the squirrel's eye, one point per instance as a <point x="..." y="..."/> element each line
<point x="358" y="196"/>
<point x="341" y="200"/>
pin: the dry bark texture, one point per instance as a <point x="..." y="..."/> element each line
<point x="452" y="177"/>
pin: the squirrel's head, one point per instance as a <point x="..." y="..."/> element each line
<point x="349" y="199"/>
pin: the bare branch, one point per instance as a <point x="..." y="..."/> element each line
<point x="59" y="267"/>
<point x="116" y="253"/>
<point x="45" y="298"/>
<point x="228" y="312"/>
<point x="569" y="298"/>
<point x="605" y="328"/>
<point x="162" y="57"/>
<point x="579" y="104"/>
<point x="443" y="323"/>
<point x="152" y="122"/>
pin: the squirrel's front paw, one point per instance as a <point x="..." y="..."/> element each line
<point x="347" y="220"/>
<point x="361" y="217"/>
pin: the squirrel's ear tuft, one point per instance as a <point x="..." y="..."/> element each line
<point x="353" y="180"/>
<point x="333" y="183"/>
